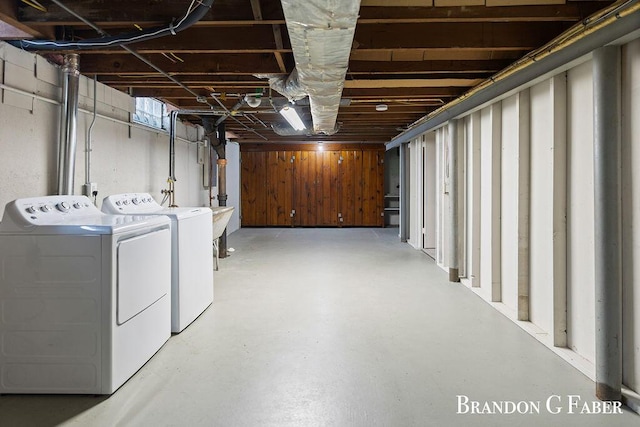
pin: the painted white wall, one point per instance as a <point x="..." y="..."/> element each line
<point x="442" y="225"/>
<point x="472" y="198"/>
<point x="538" y="144"/>
<point x="509" y="203"/>
<point x="490" y="210"/>
<point x="541" y="241"/>
<point x="124" y="158"/>
<point x="415" y="189"/>
<point x="431" y="190"/>
<point x="631" y="213"/>
<point x="580" y="206"/>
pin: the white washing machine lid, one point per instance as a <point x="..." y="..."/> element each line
<point x="69" y="215"/>
<point x="144" y="204"/>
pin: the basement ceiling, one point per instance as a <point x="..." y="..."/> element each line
<point x="411" y="55"/>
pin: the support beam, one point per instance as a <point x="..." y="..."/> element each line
<point x="608" y="252"/>
<point x="453" y="201"/>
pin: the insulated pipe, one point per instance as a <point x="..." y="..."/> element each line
<point x="68" y="123"/>
<point x="404" y="211"/>
<point x="604" y="27"/>
<point x="188" y="20"/>
<point x="453" y="201"/>
<point x="191" y="17"/>
<point x="608" y="214"/>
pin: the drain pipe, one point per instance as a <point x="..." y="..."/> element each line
<point x="608" y="248"/>
<point x="218" y="143"/>
<point x="222" y="182"/>
<point x="454" y="272"/>
<point x="68" y="123"/>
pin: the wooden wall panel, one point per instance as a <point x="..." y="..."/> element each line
<point x="279" y="188"/>
<point x="339" y="187"/>
<point x="327" y="178"/>
<point x="253" y="179"/>
<point x="349" y="187"/>
<point x="304" y="188"/>
<point x="372" y="186"/>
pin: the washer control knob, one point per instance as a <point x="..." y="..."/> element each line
<point x="31" y="210"/>
<point x="77" y="205"/>
<point x="135" y="201"/>
<point x="45" y="208"/>
<point x="125" y="201"/>
<point x="63" y="207"/>
<point x="118" y="203"/>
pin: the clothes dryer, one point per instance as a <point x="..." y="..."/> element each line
<point x="191" y="256"/>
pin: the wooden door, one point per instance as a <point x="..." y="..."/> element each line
<point x="279" y="188"/>
<point x="253" y="180"/>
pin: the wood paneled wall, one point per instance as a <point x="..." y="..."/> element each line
<point x="304" y="186"/>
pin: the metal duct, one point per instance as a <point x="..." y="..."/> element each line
<point x="68" y="123"/>
<point x="321" y="34"/>
<point x="286" y="130"/>
<point x="288" y="86"/>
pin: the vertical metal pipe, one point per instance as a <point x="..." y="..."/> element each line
<point x="68" y="123"/>
<point x="454" y="275"/>
<point x="172" y="144"/>
<point x="222" y="182"/>
<point x="87" y="143"/>
<point x="404" y="205"/>
<point x="608" y="252"/>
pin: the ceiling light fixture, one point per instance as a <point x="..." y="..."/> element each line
<point x="292" y="117"/>
<point x="252" y="101"/>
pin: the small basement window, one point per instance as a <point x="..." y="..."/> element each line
<point x="151" y="112"/>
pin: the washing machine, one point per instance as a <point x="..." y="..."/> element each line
<point x="85" y="297"/>
<point x="191" y="256"/>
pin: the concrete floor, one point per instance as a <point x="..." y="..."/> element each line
<point x="315" y="327"/>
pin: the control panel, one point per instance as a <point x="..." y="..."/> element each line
<point x="49" y="209"/>
<point x="130" y="203"/>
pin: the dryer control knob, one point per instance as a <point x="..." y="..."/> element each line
<point x="77" y="205"/>
<point x="125" y="201"/>
<point x="118" y="203"/>
<point x="31" y="210"/>
<point x="135" y="201"/>
<point x="45" y="208"/>
<point x="63" y="207"/>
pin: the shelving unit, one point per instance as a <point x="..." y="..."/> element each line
<point x="391" y="210"/>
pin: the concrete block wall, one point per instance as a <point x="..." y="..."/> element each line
<point x="125" y="157"/>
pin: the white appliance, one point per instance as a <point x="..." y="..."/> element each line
<point x="84" y="297"/>
<point x="191" y="256"/>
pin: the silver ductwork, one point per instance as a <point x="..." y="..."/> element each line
<point x="288" y="86"/>
<point x="286" y="130"/>
<point x="68" y="123"/>
<point x="321" y="34"/>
